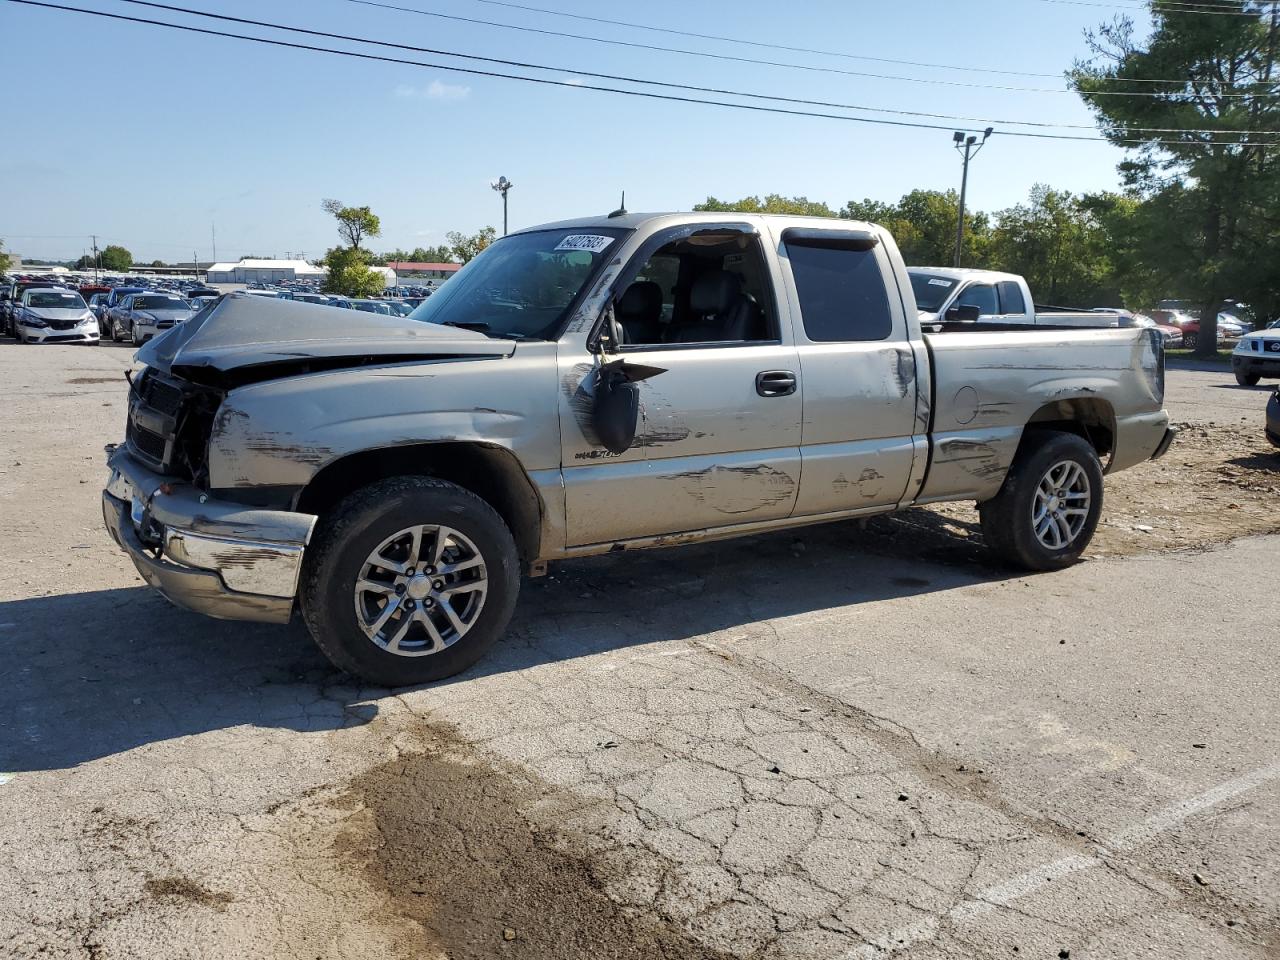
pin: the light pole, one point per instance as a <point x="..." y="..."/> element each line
<point x="502" y="185"/>
<point x="967" y="146"/>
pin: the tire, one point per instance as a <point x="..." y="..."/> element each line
<point x="1189" y="341"/>
<point x="1248" y="379"/>
<point x="133" y="335"/>
<point x="115" y="332"/>
<point x="1008" y="519"/>
<point x="357" y="530"/>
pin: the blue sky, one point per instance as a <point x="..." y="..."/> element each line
<point x="153" y="136"/>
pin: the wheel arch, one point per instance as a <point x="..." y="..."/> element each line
<point x="1091" y="418"/>
<point x="491" y="472"/>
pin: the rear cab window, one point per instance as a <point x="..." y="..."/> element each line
<point x="841" y="290"/>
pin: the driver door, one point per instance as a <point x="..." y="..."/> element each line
<point x="718" y="438"/>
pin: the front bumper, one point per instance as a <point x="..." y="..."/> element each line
<point x="84" y="333"/>
<point x="1256" y="363"/>
<point x="215" y="557"/>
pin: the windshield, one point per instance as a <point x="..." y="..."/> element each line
<point x="521" y="286"/>
<point x="62" y="301"/>
<point x="160" y="303"/>
<point x="931" y="290"/>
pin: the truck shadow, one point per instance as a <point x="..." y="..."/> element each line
<point x="91" y="675"/>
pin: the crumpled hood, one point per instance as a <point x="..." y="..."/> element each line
<point x="238" y="332"/>
<point x="58" y="313"/>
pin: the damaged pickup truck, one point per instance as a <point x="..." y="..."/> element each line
<point x="596" y="385"/>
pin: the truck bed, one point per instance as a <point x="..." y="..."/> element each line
<point x="988" y="383"/>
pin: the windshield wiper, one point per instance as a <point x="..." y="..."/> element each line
<point x="481" y="327"/>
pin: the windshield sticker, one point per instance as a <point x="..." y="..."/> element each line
<point x="935" y="282"/>
<point x="584" y="241"/>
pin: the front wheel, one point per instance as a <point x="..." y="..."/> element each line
<point x="1047" y="510"/>
<point x="1248" y="379"/>
<point x="409" y="580"/>
<point x="133" y="335"/>
<point x="1189" y="341"/>
<point x="115" y="331"/>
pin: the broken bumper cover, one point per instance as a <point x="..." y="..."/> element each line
<point x="214" y="557"/>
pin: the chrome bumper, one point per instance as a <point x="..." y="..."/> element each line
<point x="214" y="557"/>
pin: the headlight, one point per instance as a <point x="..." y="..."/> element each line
<point x="33" y="322"/>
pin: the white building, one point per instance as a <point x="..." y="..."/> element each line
<point x="273" y="271"/>
<point x="264" y="271"/>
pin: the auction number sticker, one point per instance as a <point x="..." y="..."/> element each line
<point x="935" y="282"/>
<point x="584" y="241"/>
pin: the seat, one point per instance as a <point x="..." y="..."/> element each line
<point x="724" y="311"/>
<point x="639" y="312"/>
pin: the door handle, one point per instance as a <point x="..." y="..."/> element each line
<point x="775" y="383"/>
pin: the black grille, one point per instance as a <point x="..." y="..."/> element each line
<point x="162" y="397"/>
<point x="150" y="445"/>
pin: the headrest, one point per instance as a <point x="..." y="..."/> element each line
<point x="642" y="299"/>
<point x="714" y="292"/>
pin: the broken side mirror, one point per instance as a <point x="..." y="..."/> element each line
<point x="615" y="414"/>
<point x="964" y="313"/>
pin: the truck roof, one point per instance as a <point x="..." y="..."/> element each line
<point x="631" y="221"/>
<point x="965" y="273"/>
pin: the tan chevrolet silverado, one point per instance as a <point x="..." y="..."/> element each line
<point x="601" y="384"/>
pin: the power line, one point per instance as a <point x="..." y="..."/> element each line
<point x="794" y="49"/>
<point x="664" y="83"/>
<point x="471" y="71"/>
<point x="1162" y="7"/>
<point x="762" y="44"/>
<point x="706" y="54"/>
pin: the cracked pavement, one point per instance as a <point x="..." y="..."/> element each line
<point x="805" y="745"/>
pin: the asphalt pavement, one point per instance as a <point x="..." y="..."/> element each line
<point x="812" y="744"/>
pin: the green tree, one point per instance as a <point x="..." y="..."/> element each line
<point x="464" y="248"/>
<point x="354" y="223"/>
<point x="1195" y="146"/>
<point x="116" y="259"/>
<point x="349" y="274"/>
<point x="773" y="203"/>
<point x="924" y="225"/>
<point x="1055" y="241"/>
<point x="85" y="263"/>
<point x="6" y="261"/>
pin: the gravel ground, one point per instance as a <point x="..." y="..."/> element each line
<point x="844" y="742"/>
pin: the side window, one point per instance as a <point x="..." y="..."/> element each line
<point x="842" y="293"/>
<point x="980" y="295"/>
<point x="1011" y="299"/>
<point x="711" y="287"/>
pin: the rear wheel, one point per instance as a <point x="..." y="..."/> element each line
<point x="409" y="580"/>
<point x="1247" y="379"/>
<point x="1047" y="510"/>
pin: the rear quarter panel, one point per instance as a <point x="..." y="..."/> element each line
<point x="989" y="386"/>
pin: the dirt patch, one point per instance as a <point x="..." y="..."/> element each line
<point x="95" y="379"/>
<point x="1215" y="484"/>
<point x="446" y="843"/>
<point x="188" y="890"/>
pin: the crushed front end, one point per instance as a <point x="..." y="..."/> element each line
<point x="215" y="557"/>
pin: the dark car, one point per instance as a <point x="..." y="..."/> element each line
<point x="1273" y="418"/>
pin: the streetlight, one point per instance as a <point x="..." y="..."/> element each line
<point x="966" y="144"/>
<point x="502" y="185"/>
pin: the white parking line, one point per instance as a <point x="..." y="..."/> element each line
<point x="1002" y="894"/>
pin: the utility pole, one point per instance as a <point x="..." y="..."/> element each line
<point x="213" y="236"/>
<point x="94" y="238"/>
<point x="195" y="266"/>
<point x="502" y="185"/>
<point x="966" y="145"/>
